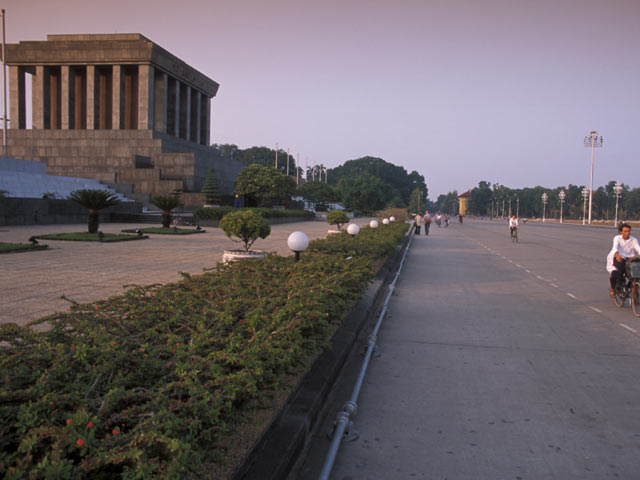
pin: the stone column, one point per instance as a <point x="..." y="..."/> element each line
<point x="91" y="97"/>
<point x="37" y="98"/>
<point x="65" y="97"/>
<point x="18" y="107"/>
<point x="206" y="119"/>
<point x="160" y="101"/>
<point x="197" y="116"/>
<point x="179" y="109"/>
<point x="116" y="100"/>
<point x="187" y="115"/>
<point x="145" y="97"/>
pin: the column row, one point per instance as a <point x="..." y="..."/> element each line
<point x="128" y="97"/>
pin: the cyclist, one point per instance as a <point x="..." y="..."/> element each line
<point x="625" y="246"/>
<point x="513" y="224"/>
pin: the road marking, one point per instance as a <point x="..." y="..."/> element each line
<point x="518" y="265"/>
<point x="554" y="285"/>
<point x="594" y="309"/>
<point x="539" y="277"/>
<point x="509" y="261"/>
<point x="628" y="327"/>
<point x="571" y="295"/>
<point x="528" y="271"/>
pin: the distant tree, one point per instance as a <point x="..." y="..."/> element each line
<point x="263" y="184"/>
<point x="211" y="189"/>
<point x="166" y="203"/>
<point x="94" y="200"/>
<point x="227" y="150"/>
<point x="417" y="201"/>
<point x="319" y="194"/>
<point x="364" y="193"/>
<point x="338" y="218"/>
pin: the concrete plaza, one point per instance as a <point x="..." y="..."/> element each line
<point x="32" y="283"/>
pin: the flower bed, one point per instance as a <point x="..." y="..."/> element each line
<point x="150" y="384"/>
<point x="20" y="247"/>
<point x="90" y="237"/>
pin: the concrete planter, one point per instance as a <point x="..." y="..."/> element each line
<point x="334" y="232"/>
<point x="233" y="255"/>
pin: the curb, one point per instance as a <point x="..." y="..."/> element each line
<point x="276" y="452"/>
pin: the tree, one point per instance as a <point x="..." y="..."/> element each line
<point x="166" y="203"/>
<point x="211" y="189"/>
<point x="261" y="184"/>
<point x="417" y="201"/>
<point x="246" y="226"/>
<point x="319" y="194"/>
<point x="338" y="218"/>
<point x="94" y="200"/>
<point x="363" y="194"/>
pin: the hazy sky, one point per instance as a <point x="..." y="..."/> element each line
<point x="459" y="90"/>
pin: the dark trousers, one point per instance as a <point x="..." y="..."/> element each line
<point x="417" y="229"/>
<point x="617" y="275"/>
<point x="426" y="228"/>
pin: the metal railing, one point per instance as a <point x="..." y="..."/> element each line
<point x="343" y="417"/>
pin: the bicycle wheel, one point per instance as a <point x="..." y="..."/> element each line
<point x="635" y="298"/>
<point x="620" y="296"/>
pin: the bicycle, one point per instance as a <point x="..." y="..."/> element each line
<point x="630" y="288"/>
<point x="514" y="234"/>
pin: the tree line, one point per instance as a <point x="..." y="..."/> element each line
<point x="363" y="185"/>
<point x="487" y="199"/>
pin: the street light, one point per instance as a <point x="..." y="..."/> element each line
<point x="353" y="229"/>
<point x="592" y="140"/>
<point x="562" y="196"/>
<point x="545" y="197"/>
<point x="391" y="219"/>
<point x="373" y="224"/>
<point x="517" y="207"/>
<point x="585" y="195"/>
<point x="617" y="188"/>
<point x="385" y="221"/>
<point x="298" y="242"/>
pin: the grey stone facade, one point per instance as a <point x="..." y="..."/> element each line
<point x="118" y="108"/>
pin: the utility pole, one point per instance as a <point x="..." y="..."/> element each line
<point x="4" y="85"/>
<point x="287" y="162"/>
<point x="592" y="140"/>
<point x="276" y="166"/>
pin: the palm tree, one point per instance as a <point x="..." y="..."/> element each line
<point x="94" y="200"/>
<point x="166" y="203"/>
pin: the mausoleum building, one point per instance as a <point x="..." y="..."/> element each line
<point x="114" y="107"/>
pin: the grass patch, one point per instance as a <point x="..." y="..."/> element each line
<point x="90" y="237"/>
<point x="20" y="247"/>
<point x="165" y="231"/>
<point x="155" y="383"/>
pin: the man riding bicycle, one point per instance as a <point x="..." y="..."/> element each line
<point x="513" y="224"/>
<point x="625" y="247"/>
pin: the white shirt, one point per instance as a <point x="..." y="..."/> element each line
<point x="626" y="248"/>
<point x="513" y="222"/>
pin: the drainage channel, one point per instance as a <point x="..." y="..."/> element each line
<point x="343" y="424"/>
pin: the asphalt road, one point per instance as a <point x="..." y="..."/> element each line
<point x="499" y="361"/>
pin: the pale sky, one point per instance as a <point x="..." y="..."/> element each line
<point x="459" y="90"/>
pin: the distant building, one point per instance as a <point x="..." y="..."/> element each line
<point x="117" y="108"/>
<point x="464" y="199"/>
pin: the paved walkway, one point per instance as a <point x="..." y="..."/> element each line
<point x="32" y="283"/>
<point x="499" y="361"/>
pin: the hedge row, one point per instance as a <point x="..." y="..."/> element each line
<point x="150" y="384"/>
<point x="216" y="213"/>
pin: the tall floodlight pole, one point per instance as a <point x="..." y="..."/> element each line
<point x="276" y="166"/>
<point x="509" y="207"/>
<point x="592" y="140"/>
<point x="517" y="207"/>
<point x="585" y="195"/>
<point x="617" y="188"/>
<point x="4" y="97"/>
<point x="545" y="197"/>
<point x="287" y="162"/>
<point x="562" y="196"/>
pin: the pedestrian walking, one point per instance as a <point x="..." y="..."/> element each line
<point x="427" y="222"/>
<point x="418" y="223"/>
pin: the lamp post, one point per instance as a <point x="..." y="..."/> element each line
<point x="373" y="224"/>
<point x="545" y="197"/>
<point x="353" y="229"/>
<point x="585" y="195"/>
<point x="562" y="196"/>
<point x="592" y="140"/>
<point x="617" y="188"/>
<point x="509" y="207"/>
<point x="298" y="242"/>
<point x="517" y="207"/>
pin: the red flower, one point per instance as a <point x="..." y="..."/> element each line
<point x="174" y="350"/>
<point x="69" y="421"/>
<point x="79" y="442"/>
<point x="115" y="431"/>
<point x="90" y="424"/>
<point x="115" y="343"/>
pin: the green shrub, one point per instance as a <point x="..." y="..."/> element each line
<point x="216" y="213"/>
<point x="337" y="217"/>
<point x="245" y="226"/>
<point x="150" y="384"/>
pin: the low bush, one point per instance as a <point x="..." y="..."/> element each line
<point x="151" y="383"/>
<point x="401" y="214"/>
<point x="90" y="237"/>
<point x="216" y="213"/>
<point x="165" y="231"/>
<point x="20" y="247"/>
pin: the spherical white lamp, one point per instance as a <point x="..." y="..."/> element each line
<point x="298" y="242"/>
<point x="385" y="221"/>
<point x="392" y="219"/>
<point x="353" y="229"/>
<point x="373" y="224"/>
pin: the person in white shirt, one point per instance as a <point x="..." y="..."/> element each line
<point x="513" y="224"/>
<point x="625" y="246"/>
<point x="418" y="220"/>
